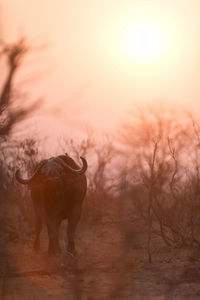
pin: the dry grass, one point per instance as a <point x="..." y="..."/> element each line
<point x="111" y="264"/>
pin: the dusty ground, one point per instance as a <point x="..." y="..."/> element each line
<point x="107" y="266"/>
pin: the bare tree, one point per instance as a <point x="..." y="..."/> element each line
<point x="156" y="139"/>
<point x="10" y="113"/>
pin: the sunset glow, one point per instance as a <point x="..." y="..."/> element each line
<point x="100" y="149"/>
<point x="143" y="42"/>
<point x="114" y="53"/>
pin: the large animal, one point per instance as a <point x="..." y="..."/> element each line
<point x="58" y="187"/>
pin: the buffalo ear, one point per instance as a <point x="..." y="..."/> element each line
<point x="66" y="154"/>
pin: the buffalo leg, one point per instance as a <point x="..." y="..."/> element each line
<point x="38" y="231"/>
<point x="72" y="224"/>
<point x="53" y="232"/>
<point x="37" y="203"/>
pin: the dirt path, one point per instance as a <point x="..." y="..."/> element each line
<point x="155" y="282"/>
<point x="102" y="270"/>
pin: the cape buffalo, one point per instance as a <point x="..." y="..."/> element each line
<point x="58" y="187"/>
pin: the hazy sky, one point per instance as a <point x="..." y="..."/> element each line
<point x="88" y="72"/>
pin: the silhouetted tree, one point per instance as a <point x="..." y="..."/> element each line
<point x="10" y="113"/>
<point x="159" y="141"/>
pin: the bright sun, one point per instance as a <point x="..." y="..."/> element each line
<point x="143" y="42"/>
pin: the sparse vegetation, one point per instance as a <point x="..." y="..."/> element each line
<point x="143" y="192"/>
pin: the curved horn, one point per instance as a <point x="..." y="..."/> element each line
<point x="27" y="180"/>
<point x="66" y="166"/>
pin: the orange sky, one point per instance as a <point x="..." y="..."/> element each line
<point x="86" y="74"/>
